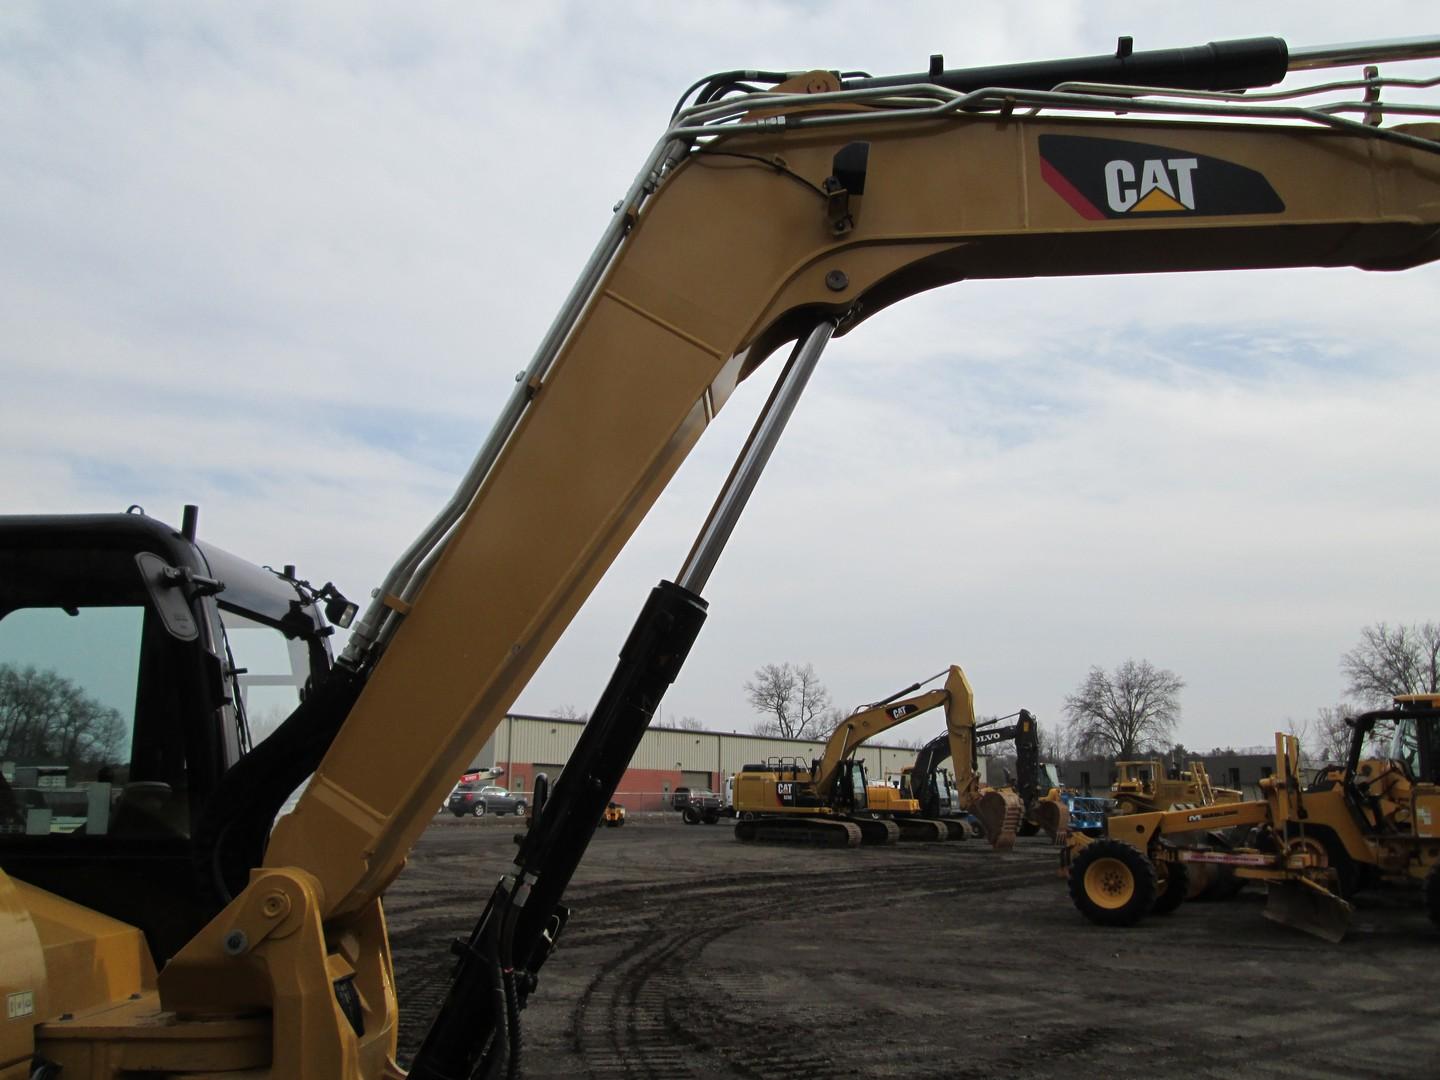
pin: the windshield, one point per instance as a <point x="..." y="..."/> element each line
<point x="90" y="740"/>
<point x="857" y="785"/>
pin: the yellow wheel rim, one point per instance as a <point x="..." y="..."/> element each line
<point x="1109" y="883"/>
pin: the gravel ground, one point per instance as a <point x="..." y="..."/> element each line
<point x="692" y="955"/>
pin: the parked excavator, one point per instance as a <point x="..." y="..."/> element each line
<point x="1313" y="845"/>
<point x="830" y="801"/>
<point x="776" y="207"/>
<point x="964" y="802"/>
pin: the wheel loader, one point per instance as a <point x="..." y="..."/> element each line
<point x="1313" y="845"/>
<point x="170" y="931"/>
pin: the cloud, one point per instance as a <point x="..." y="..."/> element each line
<point x="285" y="263"/>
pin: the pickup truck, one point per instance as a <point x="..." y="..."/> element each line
<point x="696" y="805"/>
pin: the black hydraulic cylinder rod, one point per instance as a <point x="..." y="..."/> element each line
<point x="649" y="663"/>
<point x="1220" y="65"/>
<point x="898" y="693"/>
<point x="496" y="967"/>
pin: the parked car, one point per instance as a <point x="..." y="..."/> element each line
<point x="477" y="800"/>
<point x="614" y="815"/>
<point x="697" y="805"/>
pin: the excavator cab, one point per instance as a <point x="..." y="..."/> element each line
<point x="852" y="783"/>
<point x="137" y="666"/>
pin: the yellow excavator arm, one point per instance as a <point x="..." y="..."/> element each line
<point x="761" y="218"/>
<point x="734" y="254"/>
<point x="755" y="221"/>
<point x="871" y="720"/>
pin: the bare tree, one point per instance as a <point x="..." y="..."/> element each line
<point x="1394" y="660"/>
<point x="687" y="723"/>
<point x="792" y="700"/>
<point x="1056" y="744"/>
<point x="812" y="700"/>
<point x="1136" y="708"/>
<point x="46" y="717"/>
<point x="1329" y="734"/>
<point x="569" y="712"/>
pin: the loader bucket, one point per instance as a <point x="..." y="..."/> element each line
<point x="1304" y="905"/>
<point x="1000" y="813"/>
<point x="1052" y="817"/>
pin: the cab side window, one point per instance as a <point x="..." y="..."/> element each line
<point x="90" y="742"/>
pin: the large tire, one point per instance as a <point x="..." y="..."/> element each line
<point x="478" y="810"/>
<point x="690" y="816"/>
<point x="710" y="817"/>
<point x="1432" y="893"/>
<point x="1346" y="870"/>
<point x="1174" y="884"/>
<point x="1112" y="883"/>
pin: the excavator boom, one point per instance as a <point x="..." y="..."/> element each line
<point x="736" y="252"/>
<point x="760" y="219"/>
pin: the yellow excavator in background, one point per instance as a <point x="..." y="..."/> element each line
<point x="830" y="801"/>
<point x="967" y="805"/>
<point x="776" y="208"/>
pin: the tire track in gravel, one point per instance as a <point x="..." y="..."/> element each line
<point x="643" y="1015"/>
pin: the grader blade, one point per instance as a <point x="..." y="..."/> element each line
<point x="1306" y="906"/>
<point x="1000" y="813"/>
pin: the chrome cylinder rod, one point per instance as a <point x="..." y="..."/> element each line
<point x="1351" y="53"/>
<point x="758" y="447"/>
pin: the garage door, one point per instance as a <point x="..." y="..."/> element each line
<point x="694" y="780"/>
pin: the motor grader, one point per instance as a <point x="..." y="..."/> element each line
<point x="1148" y="785"/>
<point x="776" y="209"/>
<point x="1313" y="845"/>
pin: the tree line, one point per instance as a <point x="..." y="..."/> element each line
<point x="1133" y="711"/>
<point x="47" y="719"/>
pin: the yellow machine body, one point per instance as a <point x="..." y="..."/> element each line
<point x="1147" y="785"/>
<point x="722" y="259"/>
<point x="1311" y="840"/>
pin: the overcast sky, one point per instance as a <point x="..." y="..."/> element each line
<point x="285" y="263"/>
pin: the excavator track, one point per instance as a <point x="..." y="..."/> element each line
<point x="878" y="831"/>
<point x="816" y="831"/>
<point x="927" y="830"/>
<point x="957" y="828"/>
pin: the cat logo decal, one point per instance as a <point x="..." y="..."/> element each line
<point x="1110" y="178"/>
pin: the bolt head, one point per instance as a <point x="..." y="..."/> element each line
<point x="837" y="281"/>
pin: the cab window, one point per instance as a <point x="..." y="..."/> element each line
<point x="271" y="672"/>
<point x="78" y="753"/>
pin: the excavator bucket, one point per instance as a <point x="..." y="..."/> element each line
<point x="1304" y="905"/>
<point x="1000" y="813"/>
<point x="1052" y="816"/>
